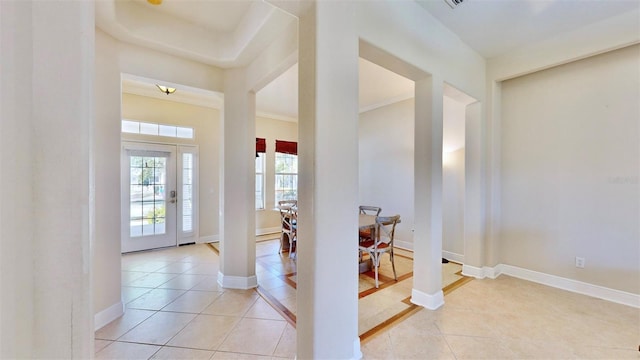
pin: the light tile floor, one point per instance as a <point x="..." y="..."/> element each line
<point x="509" y="318"/>
<point x="175" y="310"/>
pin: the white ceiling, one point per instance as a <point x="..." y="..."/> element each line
<point x="230" y="33"/>
<point x="377" y="87"/>
<point x="496" y="27"/>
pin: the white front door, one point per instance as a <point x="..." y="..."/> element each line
<point x="149" y="196"/>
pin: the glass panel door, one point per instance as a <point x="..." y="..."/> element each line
<point x="148" y="196"/>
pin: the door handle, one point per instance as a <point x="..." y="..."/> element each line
<point x="173" y="197"/>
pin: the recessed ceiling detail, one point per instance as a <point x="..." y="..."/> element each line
<point x="220" y="33"/>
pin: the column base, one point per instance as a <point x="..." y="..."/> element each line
<point x="429" y="301"/>
<point x="237" y="282"/>
<point x="357" y="353"/>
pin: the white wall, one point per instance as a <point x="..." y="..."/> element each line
<point x="453" y="175"/>
<point x="205" y="121"/>
<point x="112" y="59"/>
<point x="453" y="205"/>
<point x="46" y="206"/>
<point x="16" y="234"/>
<point x="570" y="166"/>
<point x="386" y="169"/>
<point x="385" y="164"/>
<point x="268" y="220"/>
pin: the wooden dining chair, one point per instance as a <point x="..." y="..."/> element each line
<point x="287" y="225"/>
<point x="289" y="221"/>
<point x="382" y="242"/>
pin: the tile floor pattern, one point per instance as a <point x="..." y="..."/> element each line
<point x="175" y="310"/>
<point x="277" y="278"/>
<point x="509" y="318"/>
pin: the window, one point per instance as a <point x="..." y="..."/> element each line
<point x="260" y="180"/>
<point x="143" y="128"/>
<point x="286" y="177"/>
<point x="187" y="192"/>
<point x="147" y="195"/>
<point x="261" y="149"/>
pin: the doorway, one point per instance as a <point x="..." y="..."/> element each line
<point x="159" y="191"/>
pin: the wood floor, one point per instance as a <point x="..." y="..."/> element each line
<point x="378" y="307"/>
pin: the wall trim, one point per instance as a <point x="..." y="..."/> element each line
<point x="579" y="287"/>
<point x="431" y="302"/>
<point x="597" y="291"/>
<point x="481" y="273"/>
<point x="108" y="315"/>
<point x="208" y="239"/>
<point x="459" y="258"/>
<point x="274" y="116"/>
<point x="237" y="282"/>
<point x="216" y="238"/>
<point x="271" y="230"/>
<point x="405" y="245"/>
<point x="386" y="102"/>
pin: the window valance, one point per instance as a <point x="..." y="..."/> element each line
<point x="287" y="147"/>
<point x="261" y="146"/>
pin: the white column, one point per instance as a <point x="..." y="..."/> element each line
<point x="327" y="292"/>
<point x="62" y="126"/>
<point x="474" y="219"/>
<point x="106" y="262"/>
<point x="16" y="234"/>
<point x="237" y="184"/>
<point x="427" y="268"/>
<point x="493" y="187"/>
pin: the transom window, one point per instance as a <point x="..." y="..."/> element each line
<point x="144" y="128"/>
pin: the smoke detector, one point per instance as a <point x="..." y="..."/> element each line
<point x="453" y="3"/>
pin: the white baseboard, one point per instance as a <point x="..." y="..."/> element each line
<point x="271" y="230"/>
<point x="108" y="315"/>
<point x="208" y="239"/>
<point x="600" y="292"/>
<point x="431" y="302"/>
<point x="216" y="238"/>
<point x="237" y="282"/>
<point x="406" y="245"/>
<point x="459" y="258"/>
<point x="597" y="291"/>
<point x="357" y="353"/>
<point x="481" y="273"/>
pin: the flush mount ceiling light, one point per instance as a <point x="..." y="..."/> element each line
<point x="154" y="2"/>
<point x="452" y="3"/>
<point x="166" y="90"/>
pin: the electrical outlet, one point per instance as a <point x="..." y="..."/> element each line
<point x="580" y="262"/>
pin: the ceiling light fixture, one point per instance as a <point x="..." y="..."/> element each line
<point x="154" y="2"/>
<point x="165" y="89"/>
